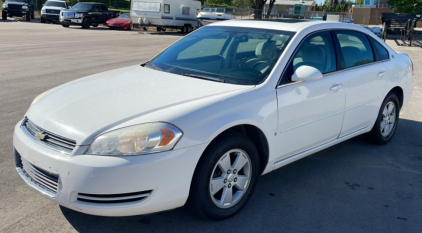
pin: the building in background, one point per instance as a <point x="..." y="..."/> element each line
<point x="289" y="9"/>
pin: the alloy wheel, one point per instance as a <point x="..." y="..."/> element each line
<point x="388" y="119"/>
<point x="230" y="178"/>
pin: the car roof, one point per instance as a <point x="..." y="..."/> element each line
<point x="293" y="25"/>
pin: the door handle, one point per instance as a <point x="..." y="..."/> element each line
<point x="336" y="87"/>
<point x="381" y="74"/>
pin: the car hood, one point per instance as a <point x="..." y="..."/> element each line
<point x="17" y="3"/>
<point x="91" y="105"/>
<point x="53" y="7"/>
<point x="73" y="10"/>
<point x="119" y="20"/>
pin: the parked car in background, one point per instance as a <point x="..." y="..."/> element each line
<point x="202" y="120"/>
<point x="163" y="14"/>
<point x="123" y="21"/>
<point x="20" y="8"/>
<point x="211" y="15"/>
<point x="87" y="14"/>
<point x="51" y="10"/>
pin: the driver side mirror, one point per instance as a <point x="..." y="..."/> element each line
<point x="306" y="73"/>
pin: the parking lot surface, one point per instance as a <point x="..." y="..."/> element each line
<point x="351" y="187"/>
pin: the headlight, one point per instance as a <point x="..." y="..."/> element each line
<point x="136" y="140"/>
<point x="79" y="15"/>
<point x="25" y="7"/>
<point x="4" y="5"/>
<point x="42" y="10"/>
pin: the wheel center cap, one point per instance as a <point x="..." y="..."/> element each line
<point x="230" y="178"/>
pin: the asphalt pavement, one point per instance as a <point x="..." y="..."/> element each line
<point x="351" y="187"/>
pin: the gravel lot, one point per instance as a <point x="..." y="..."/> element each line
<point x="351" y="187"/>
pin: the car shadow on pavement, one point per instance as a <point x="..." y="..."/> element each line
<point x="351" y="187"/>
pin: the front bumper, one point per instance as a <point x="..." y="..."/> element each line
<point x="52" y="17"/>
<point x="71" y="21"/>
<point x="15" y="12"/>
<point x="167" y="175"/>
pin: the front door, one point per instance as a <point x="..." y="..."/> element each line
<point x="311" y="112"/>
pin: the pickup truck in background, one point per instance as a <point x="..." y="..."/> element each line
<point x="18" y="8"/>
<point x="87" y="14"/>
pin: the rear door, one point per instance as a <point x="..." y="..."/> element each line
<point x="105" y="15"/>
<point x="365" y="78"/>
<point x="95" y="13"/>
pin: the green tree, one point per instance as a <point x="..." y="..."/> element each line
<point x="242" y="3"/>
<point x="406" y="6"/>
<point x="343" y="8"/>
<point x="223" y="3"/>
<point x="337" y="9"/>
<point x="359" y="2"/>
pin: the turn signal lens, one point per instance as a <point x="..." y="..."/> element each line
<point x="166" y="137"/>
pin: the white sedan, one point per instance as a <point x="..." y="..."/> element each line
<point x="201" y="121"/>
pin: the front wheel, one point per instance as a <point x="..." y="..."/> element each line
<point x="130" y="28"/>
<point x="65" y="25"/>
<point x="225" y="177"/>
<point x="4" y="15"/>
<point x="43" y="20"/>
<point x="28" y="16"/>
<point x="387" y="121"/>
<point x="86" y="23"/>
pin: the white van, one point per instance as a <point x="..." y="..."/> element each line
<point x="163" y="14"/>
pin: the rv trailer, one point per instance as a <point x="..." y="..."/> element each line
<point x="163" y="14"/>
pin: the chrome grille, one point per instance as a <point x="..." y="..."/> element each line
<point x="47" y="138"/>
<point x="40" y="179"/>
<point x="14" y="6"/>
<point x="114" y="198"/>
<point x="52" y="11"/>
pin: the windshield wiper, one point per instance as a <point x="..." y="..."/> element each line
<point x="204" y="77"/>
<point x="150" y="65"/>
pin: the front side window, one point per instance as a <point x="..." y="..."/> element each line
<point x="382" y="52"/>
<point x="166" y="8"/>
<point x="317" y="51"/>
<point x="355" y="48"/>
<point x="242" y="56"/>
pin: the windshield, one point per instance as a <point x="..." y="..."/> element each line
<point x="82" y="6"/>
<point x="228" y="54"/>
<point x="56" y="4"/>
<point x="124" y="16"/>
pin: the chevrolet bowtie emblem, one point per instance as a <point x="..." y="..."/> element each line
<point x="40" y="136"/>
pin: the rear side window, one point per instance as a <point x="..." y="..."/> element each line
<point x="103" y="8"/>
<point x="382" y="52"/>
<point x="355" y="48"/>
<point x="166" y="8"/>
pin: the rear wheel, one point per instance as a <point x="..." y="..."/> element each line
<point x="225" y="177"/>
<point x="86" y="23"/>
<point x="65" y="25"/>
<point x="387" y="121"/>
<point x="4" y="15"/>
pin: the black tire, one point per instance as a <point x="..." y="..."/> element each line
<point x="65" y="25"/>
<point x="130" y="28"/>
<point x="43" y="20"/>
<point x="111" y="28"/>
<point x="86" y="23"/>
<point x="95" y="25"/>
<point x="33" y="15"/>
<point x="145" y="28"/>
<point x="28" y="16"/>
<point x="200" y="200"/>
<point x="158" y="29"/>
<point x="376" y="136"/>
<point x="4" y="15"/>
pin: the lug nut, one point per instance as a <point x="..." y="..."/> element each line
<point x="228" y="172"/>
<point x="230" y="185"/>
<point x="225" y="180"/>
<point x="235" y="179"/>
<point x="234" y="171"/>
